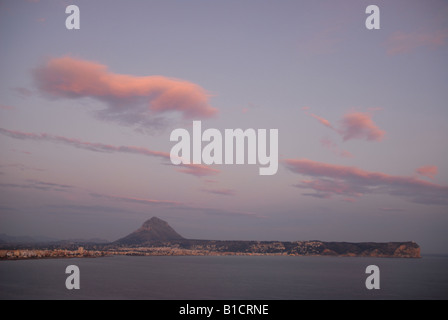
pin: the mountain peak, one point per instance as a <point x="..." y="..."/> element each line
<point x="154" y="222"/>
<point x="154" y="229"/>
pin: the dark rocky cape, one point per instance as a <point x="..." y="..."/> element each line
<point x="153" y="229"/>
<point x="156" y="233"/>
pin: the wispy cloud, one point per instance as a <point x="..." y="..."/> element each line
<point x="83" y="209"/>
<point x="136" y="200"/>
<point x="177" y="205"/>
<point x="353" y="125"/>
<point x="39" y="185"/>
<point x="192" y="169"/>
<point x="20" y="167"/>
<point x="130" y="100"/>
<point x="427" y="171"/>
<point x="220" y="191"/>
<point x="198" y="170"/>
<point x="323" y="121"/>
<point x="329" y="180"/>
<point x="401" y="42"/>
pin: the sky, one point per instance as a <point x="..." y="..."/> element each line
<point x="86" y="116"/>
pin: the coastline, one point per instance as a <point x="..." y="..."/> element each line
<point x="408" y="250"/>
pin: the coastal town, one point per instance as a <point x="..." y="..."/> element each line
<point x="199" y="248"/>
<point x="15" y="254"/>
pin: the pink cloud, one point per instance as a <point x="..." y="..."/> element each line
<point x="131" y="100"/>
<point x="400" y="42"/>
<point x="5" y="107"/>
<point x="359" y="125"/>
<point x="427" y="171"/>
<point x="329" y="180"/>
<point x="323" y="121"/>
<point x="197" y="170"/>
<point x="354" y="125"/>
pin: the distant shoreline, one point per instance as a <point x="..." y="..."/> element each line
<point x="220" y="248"/>
<point x="155" y="237"/>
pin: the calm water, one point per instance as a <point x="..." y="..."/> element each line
<point x="228" y="277"/>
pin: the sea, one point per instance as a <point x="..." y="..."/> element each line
<point x="226" y="278"/>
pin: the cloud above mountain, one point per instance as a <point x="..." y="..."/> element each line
<point x="130" y="100"/>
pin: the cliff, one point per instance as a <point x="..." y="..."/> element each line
<point x="408" y="249"/>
